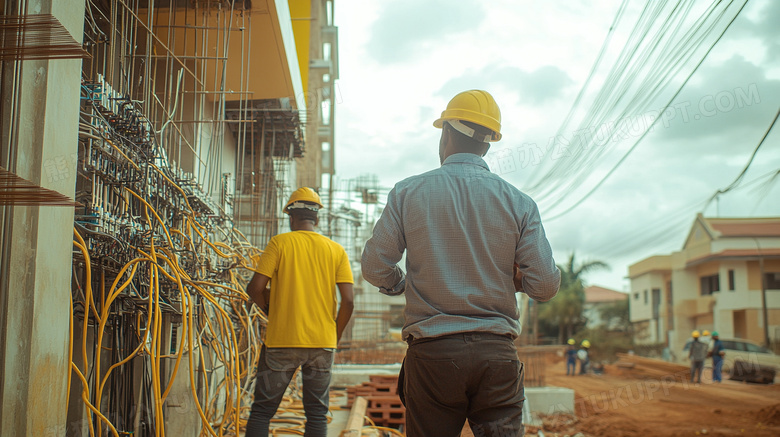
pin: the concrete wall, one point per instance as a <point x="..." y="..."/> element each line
<point x="744" y="243"/>
<point x="36" y="260"/>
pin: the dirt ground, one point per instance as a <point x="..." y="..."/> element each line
<point x="649" y="402"/>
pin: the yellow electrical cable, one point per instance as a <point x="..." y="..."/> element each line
<point x="122" y="153"/>
<point x="184" y="326"/>
<point x="101" y="330"/>
<point x="384" y="428"/>
<point x="175" y="185"/>
<point x="194" y="225"/>
<point x="85" y="398"/>
<point x="226" y="336"/>
<point x="149" y="207"/>
<point x="88" y="298"/>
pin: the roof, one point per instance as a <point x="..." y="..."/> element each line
<point x="596" y="294"/>
<point x="656" y="263"/>
<point x="763" y="227"/>
<point x="737" y="253"/>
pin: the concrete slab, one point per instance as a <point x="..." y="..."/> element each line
<point x="345" y="375"/>
<point x="550" y="400"/>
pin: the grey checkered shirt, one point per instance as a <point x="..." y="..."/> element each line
<point x="463" y="228"/>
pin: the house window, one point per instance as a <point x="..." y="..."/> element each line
<point x="645" y="297"/>
<point x="731" y="280"/>
<point x="636" y="296"/>
<point x="772" y="280"/>
<point x="709" y="284"/>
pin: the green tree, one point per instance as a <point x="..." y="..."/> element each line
<point x="565" y="310"/>
<point x="616" y="316"/>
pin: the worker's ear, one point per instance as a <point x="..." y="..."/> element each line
<point x="317" y="220"/>
<point x="486" y="150"/>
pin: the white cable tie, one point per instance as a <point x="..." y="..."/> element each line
<point x="469" y="132"/>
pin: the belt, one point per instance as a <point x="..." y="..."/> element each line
<point x="475" y="335"/>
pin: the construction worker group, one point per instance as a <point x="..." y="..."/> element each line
<point x="472" y="241"/>
<point x="704" y="345"/>
<point x="573" y="355"/>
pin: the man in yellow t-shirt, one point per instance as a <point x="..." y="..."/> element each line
<point x="304" y="269"/>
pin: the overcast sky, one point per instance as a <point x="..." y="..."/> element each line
<point x="402" y="60"/>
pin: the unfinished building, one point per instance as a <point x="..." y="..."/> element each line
<point x="146" y="148"/>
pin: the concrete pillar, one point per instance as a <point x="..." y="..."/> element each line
<point x="35" y="252"/>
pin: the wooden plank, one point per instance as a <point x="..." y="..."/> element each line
<point x="466" y="431"/>
<point x="356" y="417"/>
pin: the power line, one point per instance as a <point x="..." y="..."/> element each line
<point x="644" y="134"/>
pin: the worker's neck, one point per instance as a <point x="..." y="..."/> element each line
<point x="303" y="226"/>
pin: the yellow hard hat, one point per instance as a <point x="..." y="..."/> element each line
<point x="475" y="106"/>
<point x="301" y="195"/>
<point x="571" y="341"/>
<point x="585" y="343"/>
<point x="695" y="334"/>
<point x="705" y="333"/>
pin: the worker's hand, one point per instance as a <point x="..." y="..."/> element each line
<point x="517" y="278"/>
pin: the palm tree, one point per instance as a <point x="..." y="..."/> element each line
<point x="566" y="309"/>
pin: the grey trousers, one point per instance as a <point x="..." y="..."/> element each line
<point x="274" y="373"/>
<point x="475" y="376"/>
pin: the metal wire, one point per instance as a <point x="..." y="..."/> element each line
<point x="42" y="36"/>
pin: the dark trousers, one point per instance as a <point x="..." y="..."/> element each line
<point x="474" y="376"/>
<point x="696" y="369"/>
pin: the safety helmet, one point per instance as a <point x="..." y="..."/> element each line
<point x="303" y="197"/>
<point x="571" y="341"/>
<point x="585" y="343"/>
<point x="475" y="106"/>
<point x="705" y="333"/>
<point x="695" y="334"/>
<point x="714" y="333"/>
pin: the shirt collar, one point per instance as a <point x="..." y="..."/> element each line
<point x="466" y="158"/>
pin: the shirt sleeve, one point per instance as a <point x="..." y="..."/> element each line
<point x="533" y="255"/>
<point x="385" y="248"/>
<point x="268" y="263"/>
<point x="344" y="270"/>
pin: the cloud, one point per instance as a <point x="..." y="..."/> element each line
<point x="540" y="86"/>
<point x="729" y="103"/>
<point x="407" y="29"/>
<point x="757" y="28"/>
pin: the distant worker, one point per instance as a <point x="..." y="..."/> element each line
<point x="584" y="356"/>
<point x="304" y="269"/>
<point x="717" y="352"/>
<point x="697" y="354"/>
<point x="571" y="357"/>
<point x="472" y="240"/>
<point x="705" y="337"/>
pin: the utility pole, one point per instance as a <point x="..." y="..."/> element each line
<point x="763" y="301"/>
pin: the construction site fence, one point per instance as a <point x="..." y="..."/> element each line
<point x="370" y="352"/>
<point x="536" y="359"/>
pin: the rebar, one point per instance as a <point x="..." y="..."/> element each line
<point x="18" y="191"/>
<point x="26" y="37"/>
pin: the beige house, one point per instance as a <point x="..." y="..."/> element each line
<point x="715" y="283"/>
<point x="597" y="298"/>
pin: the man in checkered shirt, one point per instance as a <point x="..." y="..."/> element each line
<point x="472" y="240"/>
